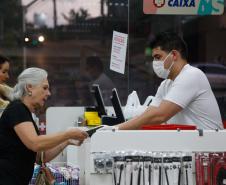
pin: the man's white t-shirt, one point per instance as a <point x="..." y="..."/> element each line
<point x="191" y="91"/>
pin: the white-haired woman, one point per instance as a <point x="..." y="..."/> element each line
<point x="19" y="137"/>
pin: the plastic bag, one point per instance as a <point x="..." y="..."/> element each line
<point x="133" y="107"/>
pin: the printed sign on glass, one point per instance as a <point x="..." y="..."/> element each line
<point x="118" y="52"/>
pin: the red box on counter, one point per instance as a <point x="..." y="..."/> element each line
<point x="169" y="127"/>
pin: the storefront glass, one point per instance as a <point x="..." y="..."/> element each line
<point x="81" y="29"/>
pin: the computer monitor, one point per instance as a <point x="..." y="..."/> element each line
<point x="117" y="106"/>
<point x="99" y="99"/>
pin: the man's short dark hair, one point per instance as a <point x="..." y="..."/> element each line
<point x="94" y="62"/>
<point x="3" y="59"/>
<point x="168" y="41"/>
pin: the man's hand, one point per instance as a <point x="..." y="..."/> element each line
<point x="106" y="127"/>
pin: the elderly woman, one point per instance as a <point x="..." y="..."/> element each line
<point x="19" y="137"/>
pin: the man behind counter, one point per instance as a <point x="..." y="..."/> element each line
<point x="185" y="96"/>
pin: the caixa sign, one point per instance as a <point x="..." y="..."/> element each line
<point x="175" y="3"/>
<point x="184" y="7"/>
<point x="181" y="3"/>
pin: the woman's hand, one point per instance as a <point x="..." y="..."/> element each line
<point x="74" y="142"/>
<point x="77" y="134"/>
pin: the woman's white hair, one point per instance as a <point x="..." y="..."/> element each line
<point x="32" y="76"/>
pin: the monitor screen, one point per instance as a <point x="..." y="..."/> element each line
<point x="117" y="106"/>
<point x="99" y="99"/>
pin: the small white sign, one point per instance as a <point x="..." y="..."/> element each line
<point x="118" y="52"/>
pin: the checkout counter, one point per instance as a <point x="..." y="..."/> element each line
<point x="122" y="157"/>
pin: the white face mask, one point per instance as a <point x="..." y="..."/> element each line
<point x="158" y="67"/>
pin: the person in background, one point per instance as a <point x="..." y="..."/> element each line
<point x="5" y="90"/>
<point x="184" y="96"/>
<point x="95" y="71"/>
<point x="20" y="142"/>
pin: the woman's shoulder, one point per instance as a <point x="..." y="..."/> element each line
<point x="15" y="107"/>
<point x="15" y="104"/>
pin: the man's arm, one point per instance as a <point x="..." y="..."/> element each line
<point x="153" y="115"/>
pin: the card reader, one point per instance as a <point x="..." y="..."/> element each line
<point x="93" y="130"/>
